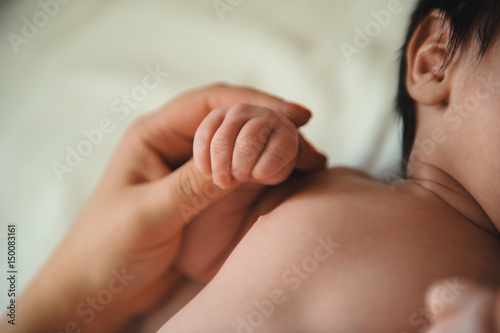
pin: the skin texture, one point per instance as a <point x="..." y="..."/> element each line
<point x="462" y="105"/>
<point x="247" y="144"/>
<point x="127" y="240"/>
<point x="375" y="279"/>
<point x="334" y="251"/>
<point x="391" y="243"/>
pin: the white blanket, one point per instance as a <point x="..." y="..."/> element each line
<point x="64" y="68"/>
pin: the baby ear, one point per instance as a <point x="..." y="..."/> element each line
<point x="427" y="80"/>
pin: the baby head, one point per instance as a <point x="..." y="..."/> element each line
<point x="449" y="95"/>
<point x="456" y="30"/>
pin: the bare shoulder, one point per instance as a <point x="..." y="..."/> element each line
<point x="398" y="238"/>
<point x="351" y="204"/>
<point x="351" y="188"/>
<point x="338" y="239"/>
<point x="345" y="186"/>
<point x="338" y="180"/>
<point x="314" y="189"/>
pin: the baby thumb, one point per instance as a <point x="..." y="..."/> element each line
<point x="309" y="158"/>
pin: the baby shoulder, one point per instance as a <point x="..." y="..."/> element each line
<point x="337" y="183"/>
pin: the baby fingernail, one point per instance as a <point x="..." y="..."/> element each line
<point x="222" y="180"/>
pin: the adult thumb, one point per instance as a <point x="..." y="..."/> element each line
<point x="185" y="193"/>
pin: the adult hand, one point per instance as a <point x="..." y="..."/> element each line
<point x="117" y="261"/>
<point x="474" y="310"/>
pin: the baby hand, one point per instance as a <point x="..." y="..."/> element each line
<point x="248" y="143"/>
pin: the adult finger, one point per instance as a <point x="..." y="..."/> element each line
<point x="460" y="311"/>
<point x="184" y="193"/>
<point x="170" y="131"/>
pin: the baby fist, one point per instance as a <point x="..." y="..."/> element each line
<point x="249" y="143"/>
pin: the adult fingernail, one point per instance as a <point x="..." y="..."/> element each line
<point x="299" y="106"/>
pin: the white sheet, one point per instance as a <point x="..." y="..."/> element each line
<point x="66" y="76"/>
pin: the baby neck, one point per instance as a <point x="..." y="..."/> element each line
<point x="454" y="194"/>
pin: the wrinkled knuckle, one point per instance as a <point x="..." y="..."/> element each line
<point x="283" y="123"/>
<point x="247" y="147"/>
<point x="240" y="175"/>
<point x="201" y="140"/>
<point x="220" y="147"/>
<point x="263" y="134"/>
<point x="284" y="153"/>
<point x="240" y="169"/>
<point x="260" y="175"/>
<point x="239" y="109"/>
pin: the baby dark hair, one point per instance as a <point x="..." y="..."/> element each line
<point x="468" y="19"/>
